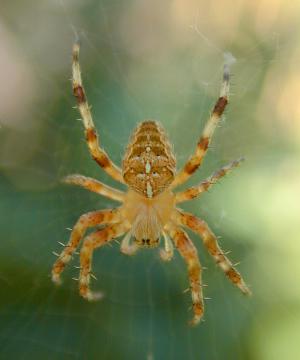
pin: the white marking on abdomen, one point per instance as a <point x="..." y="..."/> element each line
<point x="148" y="167"/>
<point x="149" y="190"/>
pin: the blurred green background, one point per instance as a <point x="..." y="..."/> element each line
<point x="142" y="60"/>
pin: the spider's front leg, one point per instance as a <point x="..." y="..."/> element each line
<point x="189" y="253"/>
<point x="85" y="221"/>
<point x="98" y="154"/>
<point x="91" y="242"/>
<point x="195" y="161"/>
<point x="211" y="243"/>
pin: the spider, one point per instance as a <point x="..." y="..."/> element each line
<point x="148" y="209"/>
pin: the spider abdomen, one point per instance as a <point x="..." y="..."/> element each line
<point x="149" y="165"/>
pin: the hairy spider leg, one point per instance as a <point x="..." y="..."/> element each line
<point x="196" y="159"/>
<point x="98" y="154"/>
<point x="211" y="243"/>
<point x="189" y="253"/>
<point x="85" y="221"/>
<point x="91" y="242"/>
<point x="94" y="186"/>
<point x="197" y="190"/>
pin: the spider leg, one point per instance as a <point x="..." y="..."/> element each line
<point x="98" y="154"/>
<point x="91" y="242"/>
<point x="87" y="220"/>
<point x="128" y="248"/>
<point x="196" y="159"/>
<point x="211" y="243"/>
<point x="95" y="186"/>
<point x="189" y="253"/>
<point x="194" y="191"/>
<point x="167" y="253"/>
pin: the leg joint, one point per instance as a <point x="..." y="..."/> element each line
<point x="79" y="94"/>
<point x="220" y="106"/>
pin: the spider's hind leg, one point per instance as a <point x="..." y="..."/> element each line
<point x="92" y="139"/>
<point x="202" y="146"/>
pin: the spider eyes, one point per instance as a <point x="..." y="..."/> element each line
<point x="147" y="242"/>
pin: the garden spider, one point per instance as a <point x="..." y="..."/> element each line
<point x="148" y="207"/>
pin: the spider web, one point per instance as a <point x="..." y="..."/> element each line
<point x="138" y="61"/>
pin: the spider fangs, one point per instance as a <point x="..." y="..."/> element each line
<point x="148" y="209"/>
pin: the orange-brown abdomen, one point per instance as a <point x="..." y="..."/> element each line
<point x="149" y="165"/>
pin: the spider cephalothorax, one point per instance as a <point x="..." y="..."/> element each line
<point x="148" y="209"/>
<point x="148" y="216"/>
